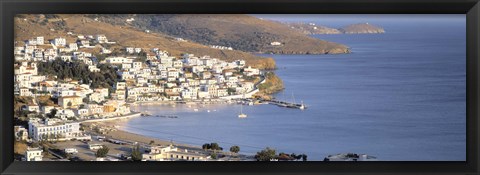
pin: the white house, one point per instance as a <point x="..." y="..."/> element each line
<point x="33" y="154"/>
<point x="106" y="51"/>
<point x="275" y="43"/>
<point x="119" y="60"/>
<point x="25" y="92"/>
<point x="138" y="50"/>
<point x="130" y="50"/>
<point x="40" y="40"/>
<point x="59" y="41"/>
<point x="101" y="39"/>
<point x="33" y="108"/>
<point x="251" y="71"/>
<point x="96" y="97"/>
<point x="73" y="46"/>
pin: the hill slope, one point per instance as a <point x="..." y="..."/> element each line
<point x="239" y="31"/>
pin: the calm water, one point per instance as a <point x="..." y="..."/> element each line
<point x="398" y="96"/>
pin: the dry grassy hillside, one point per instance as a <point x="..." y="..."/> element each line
<point x="239" y="31"/>
<point x="28" y="26"/>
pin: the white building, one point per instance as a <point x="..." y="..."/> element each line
<point x="101" y="39"/>
<point x="251" y="71"/>
<point x="275" y="43"/>
<point x="41" y="129"/>
<point x="138" y="50"/>
<point x="40" y="40"/>
<point x="73" y="46"/>
<point x="33" y="154"/>
<point x="171" y="153"/>
<point x="130" y="50"/>
<point x="106" y="51"/>
<point x="59" y="41"/>
<point x="119" y="60"/>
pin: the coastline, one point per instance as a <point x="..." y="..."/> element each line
<point x="120" y="133"/>
<point x="133" y="114"/>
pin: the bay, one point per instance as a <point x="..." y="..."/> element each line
<point x="398" y="96"/>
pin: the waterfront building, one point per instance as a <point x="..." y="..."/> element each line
<point x="33" y="154"/>
<point x="171" y="153"/>
<point x="51" y="127"/>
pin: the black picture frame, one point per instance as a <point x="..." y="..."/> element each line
<point x="9" y="8"/>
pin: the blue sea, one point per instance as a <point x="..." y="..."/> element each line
<point x="399" y="96"/>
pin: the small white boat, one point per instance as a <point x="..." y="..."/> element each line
<point x="302" y="107"/>
<point x="242" y="115"/>
<point x="195" y="109"/>
<point x="208" y="110"/>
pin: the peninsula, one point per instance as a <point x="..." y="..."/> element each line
<point x="313" y="29"/>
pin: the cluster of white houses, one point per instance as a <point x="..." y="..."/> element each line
<point x="188" y="78"/>
<point x="160" y="77"/>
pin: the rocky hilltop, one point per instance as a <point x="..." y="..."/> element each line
<point x="361" y="28"/>
<point x="238" y="31"/>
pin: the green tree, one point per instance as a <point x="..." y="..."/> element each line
<point x="102" y="152"/>
<point x="206" y="146"/>
<point x="52" y="113"/>
<point x="235" y="149"/>
<point x="265" y="155"/>
<point x="304" y="157"/>
<point x="215" y="147"/>
<point x="214" y="156"/>
<point x="231" y="91"/>
<point x="152" y="142"/>
<point x="86" y="100"/>
<point x="136" y="154"/>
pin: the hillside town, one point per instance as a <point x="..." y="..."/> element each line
<point x="56" y="109"/>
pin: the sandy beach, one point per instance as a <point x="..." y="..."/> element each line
<point x="120" y="134"/>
